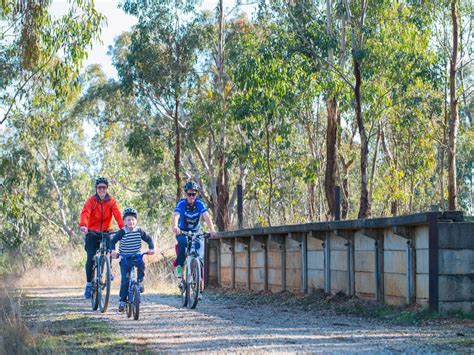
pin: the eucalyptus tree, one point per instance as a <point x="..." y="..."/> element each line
<point x="160" y="61"/>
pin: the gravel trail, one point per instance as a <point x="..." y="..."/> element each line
<point x="248" y="323"/>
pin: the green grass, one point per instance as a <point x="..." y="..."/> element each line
<point x="78" y="333"/>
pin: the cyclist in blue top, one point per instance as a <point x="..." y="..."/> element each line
<point x="187" y="216"/>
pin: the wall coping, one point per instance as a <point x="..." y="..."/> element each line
<point x="355" y="224"/>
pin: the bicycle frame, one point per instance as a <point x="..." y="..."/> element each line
<point x="135" y="260"/>
<point x="97" y="284"/>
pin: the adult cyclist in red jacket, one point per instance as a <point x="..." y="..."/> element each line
<point x="96" y="217"/>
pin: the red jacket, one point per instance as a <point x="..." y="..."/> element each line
<point x="96" y="215"/>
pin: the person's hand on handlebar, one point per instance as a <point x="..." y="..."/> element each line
<point x="176" y="230"/>
<point x="151" y="252"/>
<point x="213" y="234"/>
<point x="114" y="254"/>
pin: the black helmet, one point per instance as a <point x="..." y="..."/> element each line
<point x="191" y="185"/>
<point x="129" y="211"/>
<point x="101" y="180"/>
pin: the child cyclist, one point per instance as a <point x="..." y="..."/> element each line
<point x="130" y="238"/>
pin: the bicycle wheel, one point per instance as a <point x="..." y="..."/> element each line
<point x="136" y="302"/>
<point x="104" y="286"/>
<point x="95" y="295"/>
<point x="182" y="287"/>
<point x="128" y="306"/>
<point x="194" y="285"/>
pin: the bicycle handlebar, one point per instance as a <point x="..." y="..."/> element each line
<point x="194" y="234"/>
<point x="131" y="255"/>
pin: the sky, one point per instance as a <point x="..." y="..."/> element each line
<point x="118" y="22"/>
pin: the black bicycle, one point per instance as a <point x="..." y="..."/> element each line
<point x="133" y="301"/>
<point x="193" y="269"/>
<point x="101" y="274"/>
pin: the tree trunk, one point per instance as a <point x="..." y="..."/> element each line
<point x="364" y="208"/>
<point x="331" y="155"/>
<point x="454" y="119"/>
<point x="269" y="171"/>
<point x="177" y="152"/>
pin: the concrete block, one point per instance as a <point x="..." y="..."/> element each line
<point x="256" y="246"/>
<point x="241" y="259"/>
<point x="274" y="259"/>
<point x="339" y="260"/>
<point x="257" y="276"/>
<point x="293" y="260"/>
<point x="395" y="300"/>
<point x="422" y="286"/>
<point x="226" y="275"/>
<point x="338" y="243"/>
<point x="421" y="237"/>
<point x="394" y="242"/>
<point x="316" y="260"/>
<point x="339" y="281"/>
<point x="362" y="242"/>
<point x="257" y="286"/>
<point x="241" y="275"/>
<point x="395" y="261"/>
<point x="274" y="276"/>
<point x="293" y="278"/>
<point x="292" y="245"/>
<point x="364" y="260"/>
<point x="257" y="260"/>
<point x="240" y="247"/>
<point x="456" y="288"/>
<point x="273" y="246"/>
<point x="395" y="285"/>
<point x="458" y="235"/>
<point x="315" y="244"/>
<point x="365" y="282"/>
<point x="226" y="260"/>
<point x="456" y="261"/>
<point x="315" y="279"/>
<point x="451" y="307"/>
<point x="422" y="261"/>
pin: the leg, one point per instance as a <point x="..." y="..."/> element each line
<point x="92" y="244"/>
<point x="141" y="272"/>
<point x="125" y="272"/>
<point x="182" y="243"/>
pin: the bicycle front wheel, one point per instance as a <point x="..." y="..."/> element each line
<point x="95" y="294"/>
<point x="104" y="282"/>
<point x="195" y="283"/>
<point x="183" y="286"/>
<point x="136" y="302"/>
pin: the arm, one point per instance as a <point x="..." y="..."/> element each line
<point x="210" y="225"/>
<point x="117" y="214"/>
<point x="85" y="214"/>
<point x="118" y="236"/>
<point x="175" y="221"/>
<point x="149" y="241"/>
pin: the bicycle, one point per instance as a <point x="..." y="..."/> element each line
<point x="132" y="304"/>
<point x="193" y="270"/>
<point x="102" y="274"/>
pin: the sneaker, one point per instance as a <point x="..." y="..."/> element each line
<point x="179" y="272"/>
<point x="121" y="306"/>
<point x="141" y="287"/>
<point x="88" y="291"/>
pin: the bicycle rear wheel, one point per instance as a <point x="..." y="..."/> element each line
<point x="104" y="282"/>
<point x="194" y="285"/>
<point x="136" y="302"/>
<point x="183" y="287"/>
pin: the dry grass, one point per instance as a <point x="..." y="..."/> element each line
<point x="15" y="337"/>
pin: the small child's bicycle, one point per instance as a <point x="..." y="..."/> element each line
<point x="132" y="304"/>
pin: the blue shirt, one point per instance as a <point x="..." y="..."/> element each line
<point x="189" y="216"/>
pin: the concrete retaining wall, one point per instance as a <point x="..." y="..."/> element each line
<point x="426" y="259"/>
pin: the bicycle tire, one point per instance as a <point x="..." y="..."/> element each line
<point x="183" y="288"/>
<point x="195" y="285"/>
<point x="104" y="284"/>
<point x="136" y="302"/>
<point x="94" y="293"/>
<point x="128" y="306"/>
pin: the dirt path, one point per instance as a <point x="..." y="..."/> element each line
<point x="227" y="322"/>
